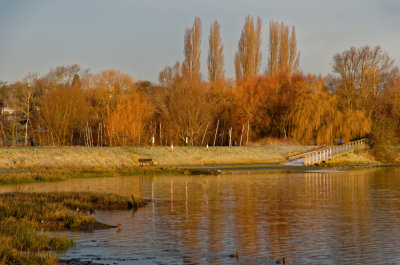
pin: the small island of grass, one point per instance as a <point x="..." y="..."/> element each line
<point x="24" y="215"/>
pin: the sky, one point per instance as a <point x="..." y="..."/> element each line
<point x="142" y="37"/>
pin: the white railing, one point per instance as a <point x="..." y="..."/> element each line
<point x="330" y="152"/>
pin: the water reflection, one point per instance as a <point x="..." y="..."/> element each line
<point x="310" y="218"/>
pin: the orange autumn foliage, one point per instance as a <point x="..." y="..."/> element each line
<point x="265" y="102"/>
<point x="318" y="119"/>
<point x="125" y="125"/>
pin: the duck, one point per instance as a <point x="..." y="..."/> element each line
<point x="235" y="255"/>
<point x="281" y="261"/>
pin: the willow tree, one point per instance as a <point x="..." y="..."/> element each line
<point x="191" y="64"/>
<point x="248" y="56"/>
<point x="282" y="49"/>
<point x="215" y="60"/>
<point x="315" y="115"/>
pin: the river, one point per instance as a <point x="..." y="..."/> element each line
<point x="308" y="218"/>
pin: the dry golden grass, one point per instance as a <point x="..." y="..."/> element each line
<point x="216" y="155"/>
<point x="65" y="157"/>
<point x="78" y="158"/>
<point x="361" y="157"/>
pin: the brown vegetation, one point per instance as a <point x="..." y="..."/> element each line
<point x="70" y="106"/>
<point x="24" y="215"/>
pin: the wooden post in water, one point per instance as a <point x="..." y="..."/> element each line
<point x="134" y="204"/>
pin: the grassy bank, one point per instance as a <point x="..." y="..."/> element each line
<point x="23" y="215"/>
<point x="45" y="164"/>
<point x="358" y="157"/>
<point x="95" y="158"/>
<point x="11" y="177"/>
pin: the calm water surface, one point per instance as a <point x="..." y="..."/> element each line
<point x="309" y="218"/>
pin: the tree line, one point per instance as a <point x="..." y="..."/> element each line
<point x="71" y="106"/>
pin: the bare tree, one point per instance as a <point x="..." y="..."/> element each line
<point x="64" y="110"/>
<point x="28" y="94"/>
<point x="364" y="72"/>
<point x="184" y="109"/>
<point x="63" y="75"/>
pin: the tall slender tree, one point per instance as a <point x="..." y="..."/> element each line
<point x="282" y="55"/>
<point x="248" y="56"/>
<point x="273" y="55"/>
<point x="216" y="70"/>
<point x="294" y="54"/>
<point x="191" y="64"/>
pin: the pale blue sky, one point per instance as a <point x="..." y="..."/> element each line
<point x="140" y="38"/>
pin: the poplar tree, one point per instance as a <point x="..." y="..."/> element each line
<point x="248" y="56"/>
<point x="191" y="64"/>
<point x="282" y="54"/>
<point x="215" y="60"/>
<point x="273" y="55"/>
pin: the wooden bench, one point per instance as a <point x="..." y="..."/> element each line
<point x="145" y="160"/>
